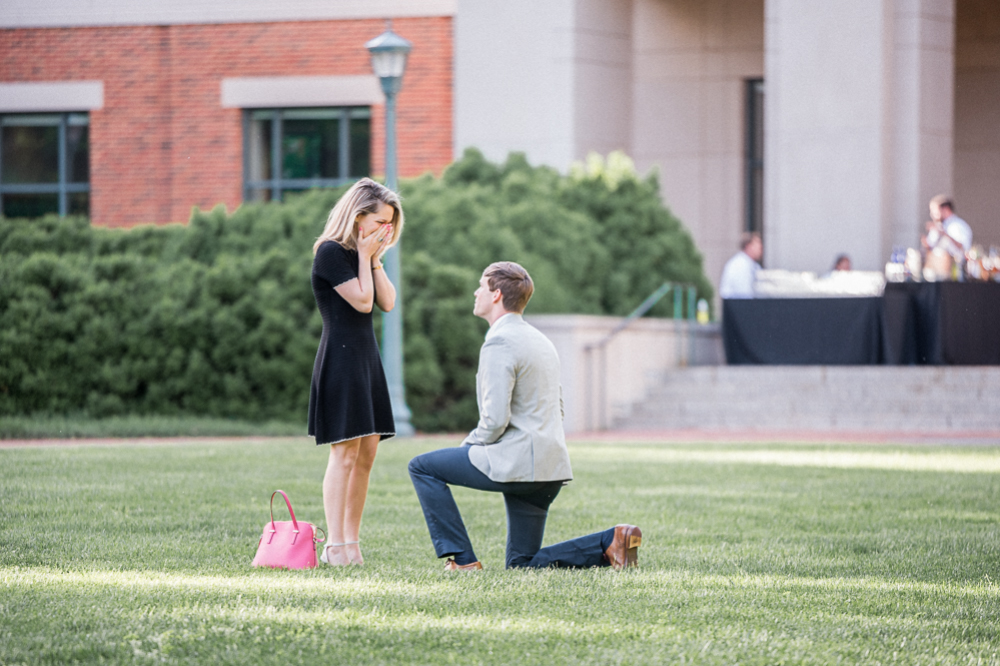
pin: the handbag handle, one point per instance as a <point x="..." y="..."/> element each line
<point x="295" y="523"/>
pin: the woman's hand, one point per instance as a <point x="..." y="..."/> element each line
<point x="386" y="232"/>
<point x="361" y="293"/>
<point x="374" y="244"/>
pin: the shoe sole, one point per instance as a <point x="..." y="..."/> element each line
<point x="450" y="566"/>
<point x="632" y="540"/>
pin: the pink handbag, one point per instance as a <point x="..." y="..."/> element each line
<point x="287" y="544"/>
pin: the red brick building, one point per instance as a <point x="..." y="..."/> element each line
<point x="137" y="115"/>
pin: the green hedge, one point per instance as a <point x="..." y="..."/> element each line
<point x="216" y="318"/>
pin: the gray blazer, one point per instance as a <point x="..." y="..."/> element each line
<point x="520" y="433"/>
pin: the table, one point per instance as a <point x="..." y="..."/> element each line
<point x="942" y="323"/>
<point x="936" y="323"/>
<point x="803" y="331"/>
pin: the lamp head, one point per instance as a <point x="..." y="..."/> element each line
<point x="389" y="52"/>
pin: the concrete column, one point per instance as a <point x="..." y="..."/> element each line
<point x="514" y="73"/>
<point x="921" y="115"/>
<point x="858" y="126"/>
<point x="602" y="69"/>
<point x="691" y="60"/>
<point x="977" y="118"/>
<point x="550" y="79"/>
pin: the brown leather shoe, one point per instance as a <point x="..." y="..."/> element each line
<point x="622" y="551"/>
<point x="451" y="565"/>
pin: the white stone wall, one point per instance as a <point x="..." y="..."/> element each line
<point x="602" y="76"/>
<point x="824" y="155"/>
<point x="691" y="59"/>
<point x="921" y="114"/>
<point x="548" y="79"/>
<point x="601" y="389"/>
<point x="661" y="79"/>
<point x="858" y="127"/>
<point x="514" y="79"/>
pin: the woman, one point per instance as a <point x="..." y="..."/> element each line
<point x="349" y="408"/>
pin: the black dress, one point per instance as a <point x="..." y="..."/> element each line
<point x="349" y="396"/>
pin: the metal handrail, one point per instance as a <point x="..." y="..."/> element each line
<point x="601" y="344"/>
<point x="643" y="308"/>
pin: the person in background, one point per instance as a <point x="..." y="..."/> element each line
<point x="842" y="263"/>
<point x="946" y="229"/>
<point x="519" y="447"/>
<point x="740" y="271"/>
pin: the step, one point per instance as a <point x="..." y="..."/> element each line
<point x="913" y="399"/>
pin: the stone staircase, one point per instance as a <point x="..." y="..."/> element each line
<point x="822" y="398"/>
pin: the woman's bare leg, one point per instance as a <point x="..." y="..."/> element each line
<point x="357" y="492"/>
<point x="339" y="468"/>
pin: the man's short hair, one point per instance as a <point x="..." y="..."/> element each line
<point x="747" y="238"/>
<point x="943" y="200"/>
<point x="514" y="283"/>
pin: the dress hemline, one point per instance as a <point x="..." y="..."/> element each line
<point x="385" y="435"/>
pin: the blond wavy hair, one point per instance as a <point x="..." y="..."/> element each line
<point x="365" y="196"/>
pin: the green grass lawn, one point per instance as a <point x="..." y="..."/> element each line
<point x="64" y="427"/>
<point x="752" y="554"/>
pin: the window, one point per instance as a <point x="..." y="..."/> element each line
<point x="288" y="150"/>
<point x="754" y="170"/>
<point x="44" y="164"/>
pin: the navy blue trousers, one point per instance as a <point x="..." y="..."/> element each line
<point x="527" y="508"/>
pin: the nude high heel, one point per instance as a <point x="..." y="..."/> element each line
<point x="323" y="558"/>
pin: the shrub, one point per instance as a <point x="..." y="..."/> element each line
<point x="216" y="318"/>
<point x="598" y="241"/>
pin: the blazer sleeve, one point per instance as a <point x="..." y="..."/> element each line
<point x="497" y="374"/>
<point x="333" y="264"/>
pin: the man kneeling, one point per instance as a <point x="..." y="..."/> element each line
<point x="518" y="448"/>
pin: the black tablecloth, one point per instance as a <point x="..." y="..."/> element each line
<point x="803" y="331"/>
<point x="942" y="323"/>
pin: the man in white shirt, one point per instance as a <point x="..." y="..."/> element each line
<point x="741" y="270"/>
<point x="946" y="229"/>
